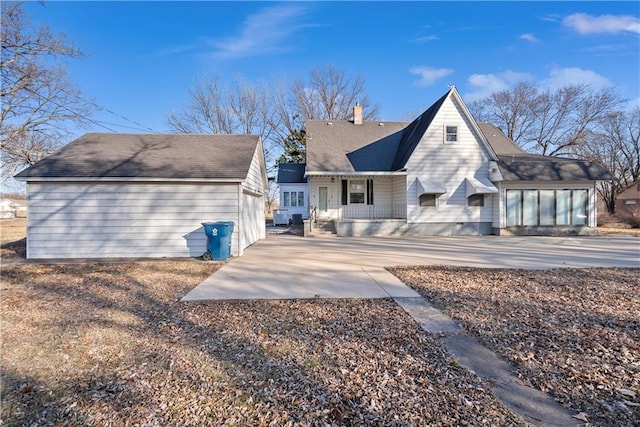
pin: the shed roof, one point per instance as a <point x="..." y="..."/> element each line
<point x="291" y="173"/>
<point x="516" y="164"/>
<point x="151" y="156"/>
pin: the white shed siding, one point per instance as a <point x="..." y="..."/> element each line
<point x="449" y="164"/>
<point x="255" y="177"/>
<point x="91" y="220"/>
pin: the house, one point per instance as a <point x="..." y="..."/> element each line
<point x="442" y="174"/>
<point x="11" y="208"/>
<point x="628" y="201"/>
<point x="294" y="192"/>
<point x="144" y="195"/>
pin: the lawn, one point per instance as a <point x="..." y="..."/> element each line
<point x="574" y="333"/>
<point x="111" y="344"/>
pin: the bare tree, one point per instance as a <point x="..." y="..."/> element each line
<point x="277" y="114"/>
<point x="38" y="101"/>
<point x="330" y="94"/>
<point x="327" y="93"/>
<point x="554" y="123"/>
<point x="616" y="146"/>
<point x="219" y="109"/>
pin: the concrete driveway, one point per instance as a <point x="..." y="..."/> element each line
<point x="286" y="267"/>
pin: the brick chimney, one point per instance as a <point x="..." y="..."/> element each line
<point x="357" y="114"/>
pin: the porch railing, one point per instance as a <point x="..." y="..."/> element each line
<point x="393" y="211"/>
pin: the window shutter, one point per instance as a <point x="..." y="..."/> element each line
<point x="344" y="192"/>
<point x="370" y="191"/>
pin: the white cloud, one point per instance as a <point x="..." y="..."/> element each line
<point x="428" y="75"/>
<point x="588" y="24"/>
<point x="262" y="32"/>
<point x="529" y="37"/>
<point x="483" y="85"/>
<point x="559" y="77"/>
<point x="426" y="39"/>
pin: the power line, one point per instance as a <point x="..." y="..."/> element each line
<point x="100" y="123"/>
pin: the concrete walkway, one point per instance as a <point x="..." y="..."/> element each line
<point x="536" y="407"/>
<point x="287" y="267"/>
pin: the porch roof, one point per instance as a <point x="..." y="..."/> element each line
<point x="356" y="173"/>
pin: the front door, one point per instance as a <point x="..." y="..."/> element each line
<point x="323" y="205"/>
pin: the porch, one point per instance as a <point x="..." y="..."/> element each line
<point x="371" y="212"/>
<point x="368" y="197"/>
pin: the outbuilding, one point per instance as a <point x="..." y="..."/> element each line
<point x="144" y="195"/>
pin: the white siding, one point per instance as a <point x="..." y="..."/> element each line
<point x="297" y="187"/>
<point x="399" y="189"/>
<point x="92" y="220"/>
<point x="449" y="164"/>
<point x="256" y="177"/>
<point x="385" y="196"/>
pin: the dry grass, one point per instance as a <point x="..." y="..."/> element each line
<point x="13" y="242"/>
<point x="111" y="344"/>
<point x="574" y="333"/>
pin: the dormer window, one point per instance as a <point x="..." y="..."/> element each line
<point x="450" y="134"/>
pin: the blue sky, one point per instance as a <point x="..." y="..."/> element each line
<point x="142" y="57"/>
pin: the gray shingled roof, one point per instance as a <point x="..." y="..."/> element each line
<point x="413" y="134"/>
<point x="291" y="173"/>
<point x="501" y="145"/>
<point x="517" y="165"/>
<point x="342" y="146"/>
<point x="170" y="156"/>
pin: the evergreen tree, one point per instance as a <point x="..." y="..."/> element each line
<point x="295" y="147"/>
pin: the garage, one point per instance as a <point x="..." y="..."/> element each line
<point x="144" y="195"/>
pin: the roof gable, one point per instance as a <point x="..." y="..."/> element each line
<point x="149" y="156"/>
<point x="413" y="134"/>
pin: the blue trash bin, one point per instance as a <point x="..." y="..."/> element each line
<point x="218" y="240"/>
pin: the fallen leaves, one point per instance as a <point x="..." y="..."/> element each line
<point x="111" y="344"/>
<point x="574" y="333"/>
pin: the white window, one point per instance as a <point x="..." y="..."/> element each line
<point x="428" y="200"/>
<point x="547" y="207"/>
<point x="629" y="202"/>
<point x="300" y="198"/>
<point x="285" y="199"/>
<point x="563" y="207"/>
<point x="450" y="134"/>
<point x="579" y="207"/>
<point x="476" y="200"/>
<point x="356" y="191"/>
<point x="514" y="207"/>
<point x="530" y="207"/>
